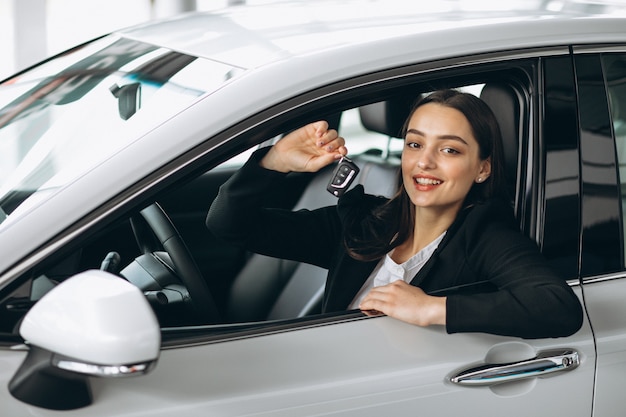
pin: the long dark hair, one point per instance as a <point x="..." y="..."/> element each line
<point x="392" y="223"/>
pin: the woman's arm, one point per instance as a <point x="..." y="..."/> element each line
<point x="238" y="215"/>
<point x="531" y="300"/>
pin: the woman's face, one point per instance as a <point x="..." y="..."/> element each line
<point x="440" y="160"/>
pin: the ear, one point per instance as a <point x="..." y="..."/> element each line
<point x="485" y="170"/>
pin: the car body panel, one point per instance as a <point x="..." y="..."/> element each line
<point x="605" y="306"/>
<point x="243" y="37"/>
<point x="363" y="367"/>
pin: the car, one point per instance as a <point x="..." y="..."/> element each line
<point x="115" y="299"/>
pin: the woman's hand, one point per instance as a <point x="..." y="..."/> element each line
<point x="405" y="302"/>
<point x="307" y="149"/>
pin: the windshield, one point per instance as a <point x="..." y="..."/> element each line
<point x="67" y="115"/>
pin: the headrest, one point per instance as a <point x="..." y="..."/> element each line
<point x="505" y="105"/>
<point x="388" y="117"/>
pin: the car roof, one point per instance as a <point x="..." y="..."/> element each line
<point x="253" y="36"/>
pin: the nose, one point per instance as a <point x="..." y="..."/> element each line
<point x="426" y="159"/>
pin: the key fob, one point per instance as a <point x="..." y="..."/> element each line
<point x="345" y="172"/>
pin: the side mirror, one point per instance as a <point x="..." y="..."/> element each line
<point x="93" y="324"/>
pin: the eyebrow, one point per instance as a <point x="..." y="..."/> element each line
<point x="442" y="137"/>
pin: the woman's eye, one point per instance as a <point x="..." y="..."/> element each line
<point x="413" y="145"/>
<point x="450" y="151"/>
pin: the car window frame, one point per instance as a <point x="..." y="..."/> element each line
<point x="178" y="337"/>
<point x="295" y="112"/>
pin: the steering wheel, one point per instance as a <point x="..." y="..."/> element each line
<point x="160" y="225"/>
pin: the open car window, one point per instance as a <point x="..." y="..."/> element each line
<point x="244" y="288"/>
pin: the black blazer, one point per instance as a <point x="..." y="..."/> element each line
<point x="495" y="279"/>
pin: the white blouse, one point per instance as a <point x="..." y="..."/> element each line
<point x="388" y="271"/>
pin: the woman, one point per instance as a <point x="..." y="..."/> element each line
<point x="445" y="250"/>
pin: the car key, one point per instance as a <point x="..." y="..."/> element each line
<point x="345" y="172"/>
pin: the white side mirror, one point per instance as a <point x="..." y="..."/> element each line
<point x="93" y="324"/>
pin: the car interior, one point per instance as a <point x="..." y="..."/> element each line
<point x="271" y="288"/>
<point x="244" y="287"/>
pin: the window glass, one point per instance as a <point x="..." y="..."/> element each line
<point x="615" y="74"/>
<point x="67" y="115"/>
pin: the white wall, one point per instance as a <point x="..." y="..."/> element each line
<point x="6" y="39"/>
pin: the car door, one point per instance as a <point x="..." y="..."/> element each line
<point x="601" y="72"/>
<point x="347" y="364"/>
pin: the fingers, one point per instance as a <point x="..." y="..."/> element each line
<point x="333" y="144"/>
<point x="320" y="127"/>
<point x="330" y="141"/>
<point x="407" y="303"/>
<point x="372" y="313"/>
<point x="376" y="300"/>
<point x="308" y="148"/>
<point x="329" y="147"/>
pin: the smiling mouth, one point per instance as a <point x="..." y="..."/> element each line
<point x="427" y="181"/>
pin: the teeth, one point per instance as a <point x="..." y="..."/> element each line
<point x="427" y="181"/>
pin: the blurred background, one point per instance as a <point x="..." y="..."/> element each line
<point x="32" y="30"/>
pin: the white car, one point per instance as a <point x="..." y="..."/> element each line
<point x="97" y="143"/>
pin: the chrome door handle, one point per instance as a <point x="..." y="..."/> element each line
<point x="545" y="363"/>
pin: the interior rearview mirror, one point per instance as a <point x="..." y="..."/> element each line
<point x="129" y="99"/>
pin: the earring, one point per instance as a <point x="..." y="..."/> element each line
<point x="479" y="179"/>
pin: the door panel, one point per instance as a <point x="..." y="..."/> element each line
<point x="607" y="311"/>
<point x="604" y="293"/>
<point x="366" y="367"/>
